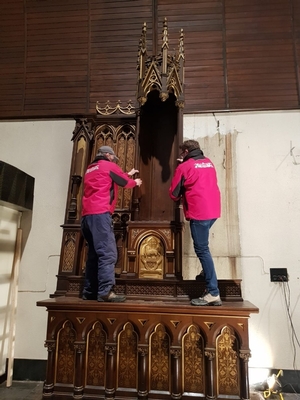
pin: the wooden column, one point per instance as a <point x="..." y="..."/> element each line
<point x="244" y="359"/>
<point x="176" y="390"/>
<point x="78" y="384"/>
<point x="210" y="355"/>
<point x="49" y="381"/>
<point x="143" y="351"/>
<point x="110" y="388"/>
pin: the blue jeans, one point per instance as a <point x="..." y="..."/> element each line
<point x="200" y="235"/>
<point x="98" y="231"/>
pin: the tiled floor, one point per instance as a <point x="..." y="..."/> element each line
<point x="27" y="390"/>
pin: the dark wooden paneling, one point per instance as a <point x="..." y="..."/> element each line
<point x="60" y="58"/>
<point x="259" y="54"/>
<point x="296" y="34"/>
<point x="203" y="41"/>
<point x="116" y="27"/>
<point x="12" y="49"/>
<point x="57" y="57"/>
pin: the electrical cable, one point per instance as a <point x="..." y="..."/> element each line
<point x="289" y="384"/>
<point x="287" y="298"/>
<point x="287" y="303"/>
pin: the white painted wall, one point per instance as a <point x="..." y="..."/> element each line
<point x="269" y="222"/>
<point x="268" y="213"/>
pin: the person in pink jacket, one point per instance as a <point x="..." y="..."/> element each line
<point x="195" y="182"/>
<point x="100" y="193"/>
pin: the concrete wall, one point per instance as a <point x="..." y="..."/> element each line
<point x="259" y="179"/>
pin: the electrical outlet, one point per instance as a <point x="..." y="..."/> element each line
<point x="279" y="275"/>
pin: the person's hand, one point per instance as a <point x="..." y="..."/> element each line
<point x="132" y="172"/>
<point x="138" y="181"/>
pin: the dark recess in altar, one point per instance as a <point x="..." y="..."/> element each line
<point x="155" y="345"/>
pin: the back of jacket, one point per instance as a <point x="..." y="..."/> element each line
<point x="100" y="187"/>
<point x="195" y="180"/>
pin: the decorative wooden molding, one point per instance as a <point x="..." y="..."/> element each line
<point x="162" y="72"/>
<point x="117" y="109"/>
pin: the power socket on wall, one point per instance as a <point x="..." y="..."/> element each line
<point x="279" y="275"/>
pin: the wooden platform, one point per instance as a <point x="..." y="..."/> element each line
<point x="165" y="290"/>
<point x="146" y="350"/>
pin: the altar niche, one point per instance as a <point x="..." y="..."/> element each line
<point x="158" y="150"/>
<point x="154" y="247"/>
<point x="154" y="230"/>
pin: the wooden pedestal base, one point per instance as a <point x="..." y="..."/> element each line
<point x="146" y="350"/>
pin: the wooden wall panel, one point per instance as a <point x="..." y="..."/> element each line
<point x="260" y="54"/>
<point x="296" y="35"/>
<point x="59" y="58"/>
<point x="203" y="42"/>
<point x="116" y="28"/>
<point x="12" y="49"/>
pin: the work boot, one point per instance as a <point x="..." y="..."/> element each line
<point x="207" y="300"/>
<point x="89" y="297"/>
<point x="112" y="297"/>
<point x="200" y="277"/>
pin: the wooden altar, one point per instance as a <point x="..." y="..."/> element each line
<point x="146" y="350"/>
<point x="155" y="345"/>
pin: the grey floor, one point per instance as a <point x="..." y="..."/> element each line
<point x="28" y="390"/>
<point x="21" y="390"/>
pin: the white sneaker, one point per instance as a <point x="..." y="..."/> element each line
<point x="207" y="300"/>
